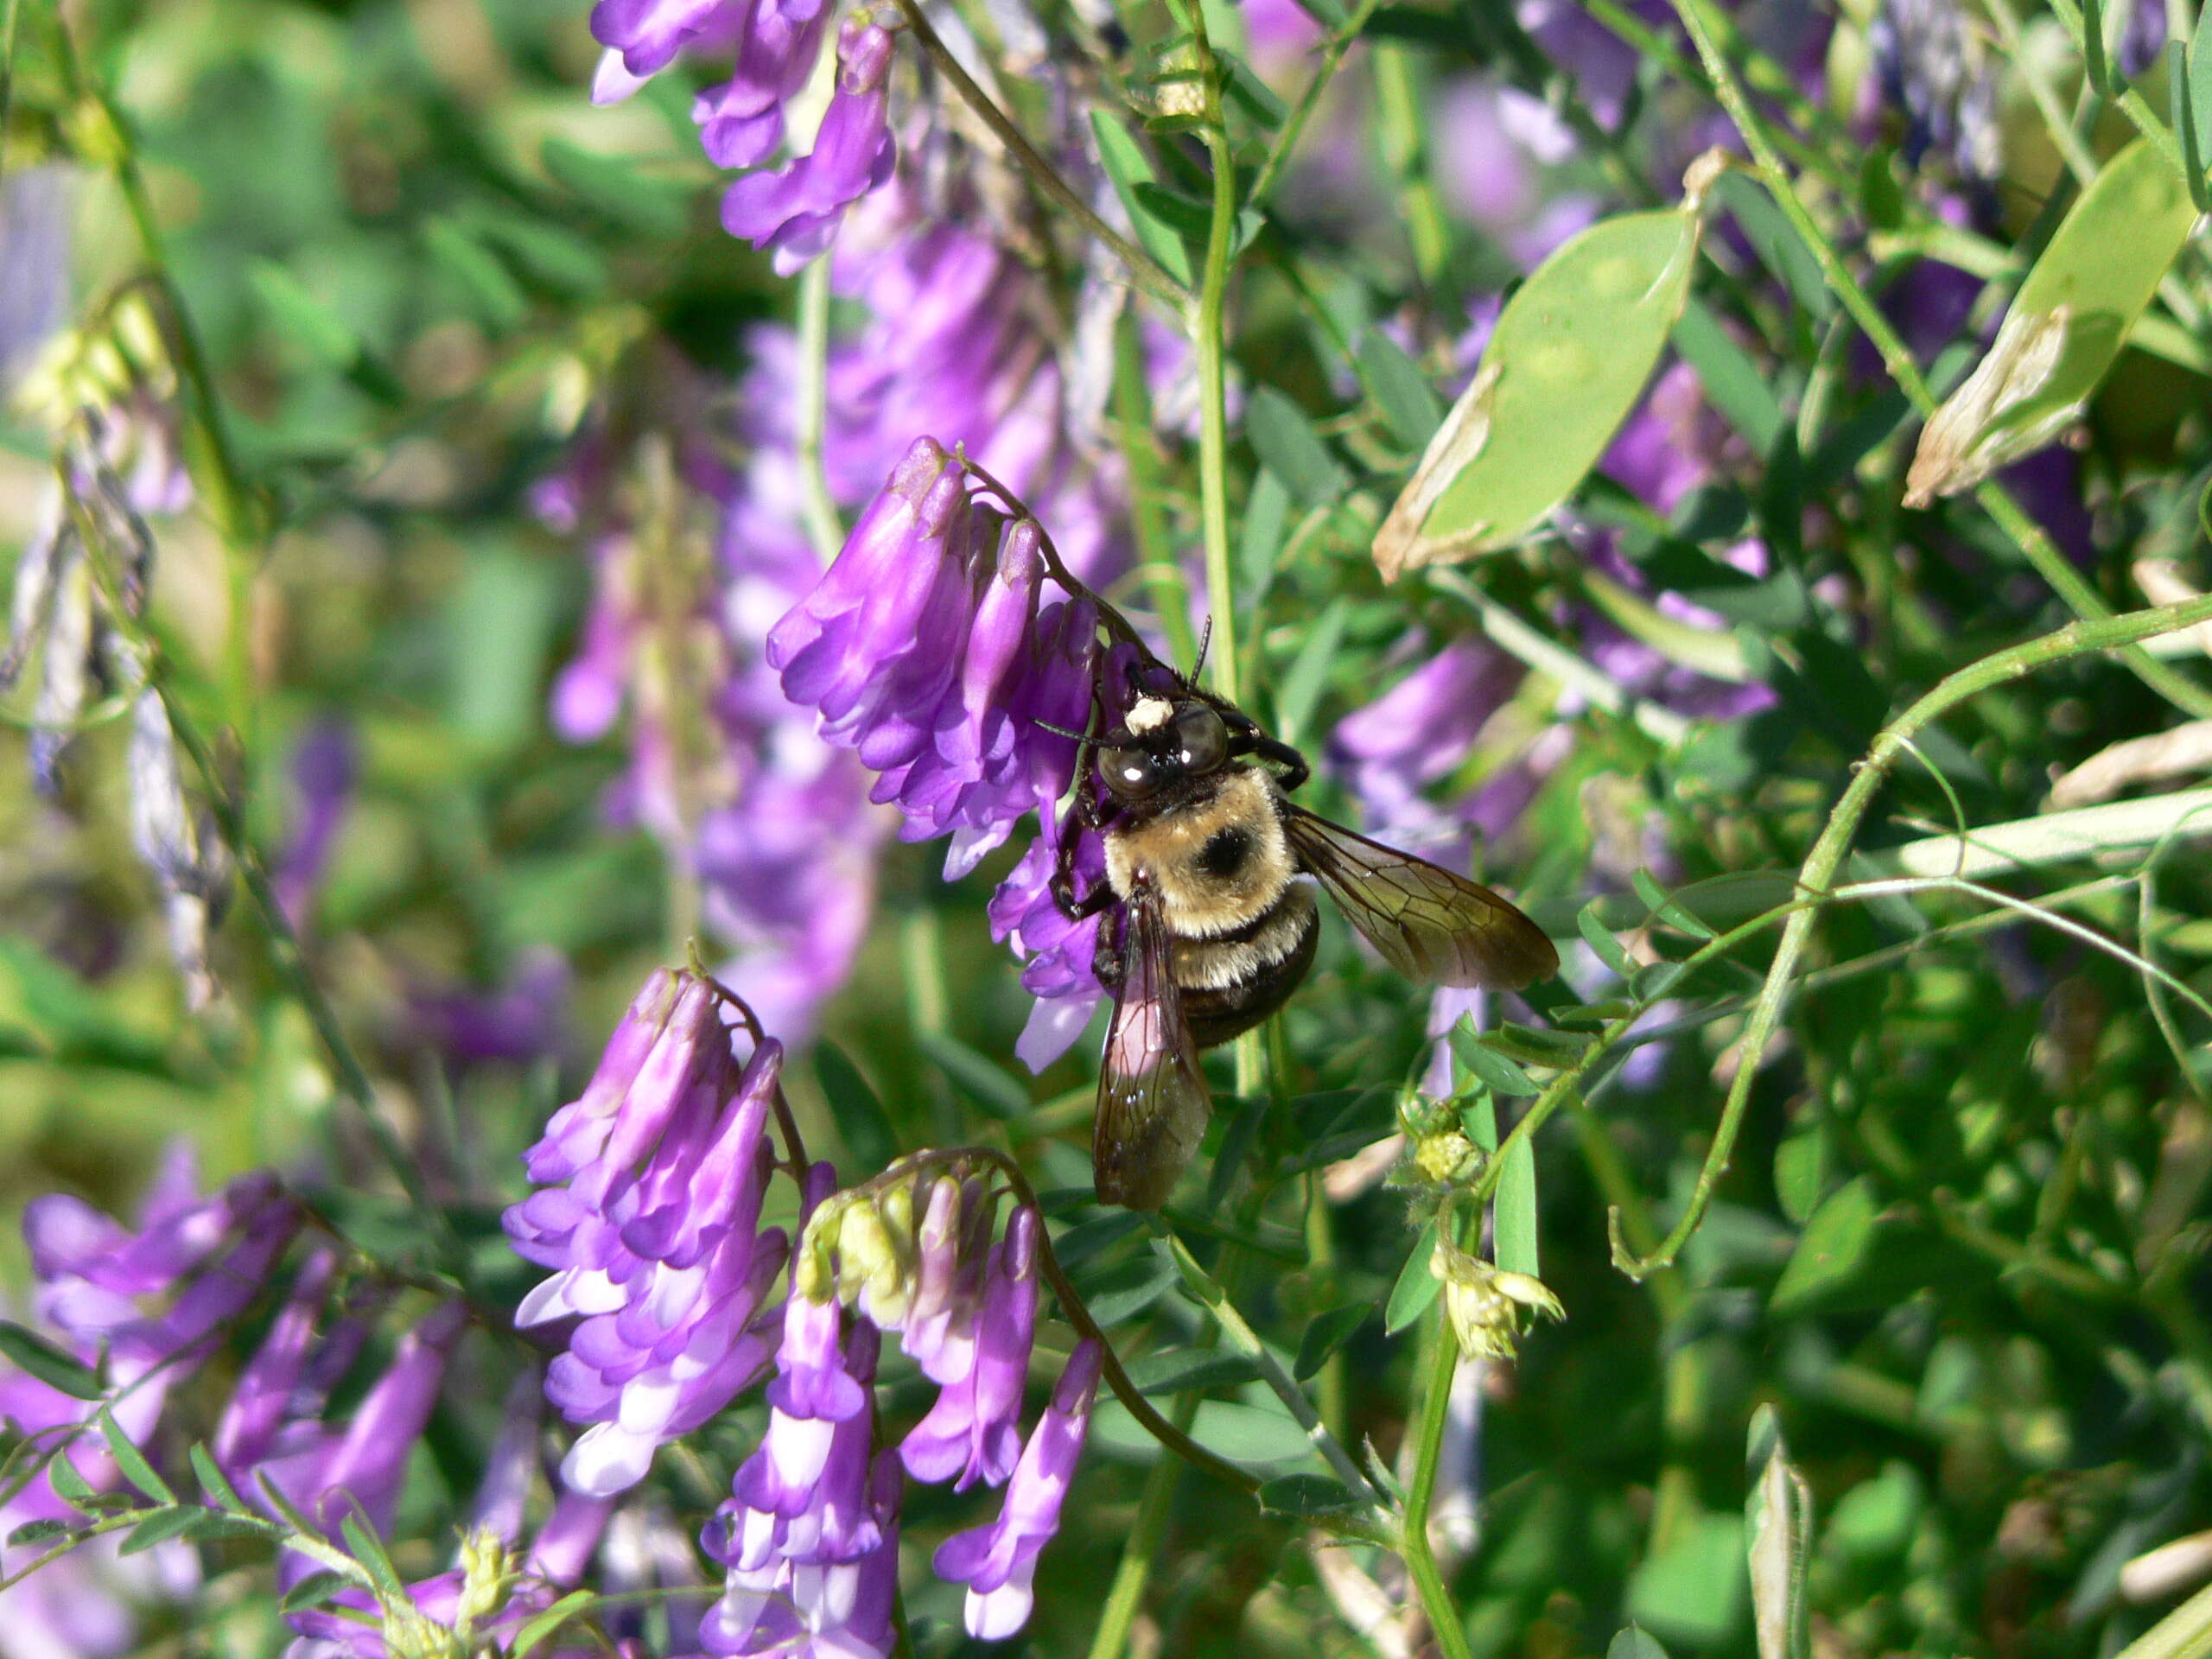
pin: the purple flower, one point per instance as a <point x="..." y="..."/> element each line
<point x="998" y="1562"/>
<point x="525" y="1019"/>
<point x="1935" y="66"/>
<point x="208" y="1257"/>
<point x="972" y="1432"/>
<point x="355" y="1467"/>
<point x="654" y="1238"/>
<point x="795" y="212"/>
<point x="324" y="769"/>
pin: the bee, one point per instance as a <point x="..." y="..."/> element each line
<point x="1207" y="928"/>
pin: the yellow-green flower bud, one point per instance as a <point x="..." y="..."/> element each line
<point x="487" y="1575"/>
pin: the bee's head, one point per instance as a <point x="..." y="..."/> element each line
<point x="1159" y="741"/>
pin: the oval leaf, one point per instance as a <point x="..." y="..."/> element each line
<point x="1835" y="1243"/>
<point x="38" y="1357"/>
<point x="2065" y="326"/>
<point x="1565" y="366"/>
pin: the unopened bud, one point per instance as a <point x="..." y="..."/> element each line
<point x="872" y="1261"/>
<point x="487" y="1574"/>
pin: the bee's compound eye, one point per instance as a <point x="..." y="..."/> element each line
<point x="1131" y="774"/>
<point x="1201" y="737"/>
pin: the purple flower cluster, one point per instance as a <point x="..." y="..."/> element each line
<point x="810" y="1536"/>
<point x="649" y="1215"/>
<point x="793" y="211"/>
<point x="930" y="650"/>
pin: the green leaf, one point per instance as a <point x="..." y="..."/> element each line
<point x="1306" y="1495"/>
<point x="208" y="1525"/>
<point x="1417" y="1286"/>
<point x="1693" y="1590"/>
<point x="1877" y="1518"/>
<point x="983" y="1082"/>
<point x="534" y="1634"/>
<point x="2200" y="77"/>
<point x="1488" y="1065"/>
<point x="1566" y="364"/>
<point x="1180" y="1370"/>
<point x="2183" y="108"/>
<point x="1514" y="1211"/>
<point x="315" y="1590"/>
<point x="70" y="1485"/>
<point x="1289" y="448"/>
<point x="131" y="1461"/>
<point x="1244" y="1434"/>
<point x="1400" y="390"/>
<point x="1635" y="1643"/>
<point x="212" y="1482"/>
<point x="302" y="316"/>
<point x="860" y="1118"/>
<point x="1800" y="1167"/>
<point x="36" y="1357"/>
<point x="1301" y="684"/>
<point x="1665" y="907"/>
<point x="160" y="1526"/>
<point x="38" y="1532"/>
<point x="1260" y="538"/>
<point x="489" y="291"/>
<point x="1113" y="1307"/>
<point x="1124" y="160"/>
<point x="1778" y="1542"/>
<point x="1237" y="1137"/>
<point x="2064" y="326"/>
<point x="500" y="622"/>
<point x="1600" y="939"/>
<point x="1078" y="1245"/>
<point x="1774" y="240"/>
<point x="616" y="188"/>
<point x="1733" y="384"/>
<point x="1328" y="1332"/>
<point x="366" y="1547"/>
<point x="1833" y="1247"/>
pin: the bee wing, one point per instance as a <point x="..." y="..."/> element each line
<point x="1430" y="925"/>
<point x="1153" y="1102"/>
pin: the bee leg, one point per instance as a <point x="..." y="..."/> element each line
<point x="1254" y="741"/>
<point x="1085" y="813"/>
<point x="1108" y="962"/>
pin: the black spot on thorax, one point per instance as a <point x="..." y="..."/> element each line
<point x="1226" y="850"/>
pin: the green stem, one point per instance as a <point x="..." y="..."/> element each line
<point x="1247" y="1341"/>
<point x="818" y="506"/>
<point x="1150" y="274"/>
<point x="1705" y="29"/>
<point x="1817" y="878"/>
<point x="1405" y="149"/>
<point x="1285" y="141"/>
<point x="1163" y="577"/>
<point x="1209" y="341"/>
<point x="1444" y="1620"/>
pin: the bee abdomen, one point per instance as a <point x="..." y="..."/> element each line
<point x="1231" y="983"/>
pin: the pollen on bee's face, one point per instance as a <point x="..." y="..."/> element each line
<point x="1148" y="714"/>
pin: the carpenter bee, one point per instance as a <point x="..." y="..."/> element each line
<point x="1207" y="930"/>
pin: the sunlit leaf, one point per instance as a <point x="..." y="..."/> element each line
<point x="1124" y="160"/>
<point x="38" y="1357"/>
<point x="2064" y="326"/>
<point x="1833" y="1247"/>
<point x="1566" y="364"/>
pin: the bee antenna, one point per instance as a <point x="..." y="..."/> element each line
<point x="1058" y="731"/>
<point x="1205" y="638"/>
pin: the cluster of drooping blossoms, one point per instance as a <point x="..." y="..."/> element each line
<point x="156" y="1303"/>
<point x="649" y="1218"/>
<point x="934" y="649"/>
<point x="664" y="1281"/>
<point x="810" y="1536"/>
<point x="793" y="211"/>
